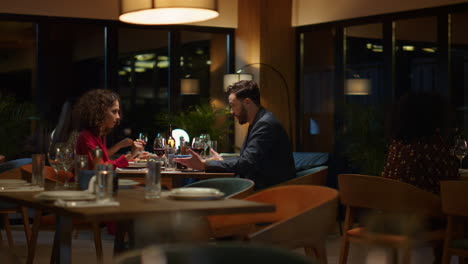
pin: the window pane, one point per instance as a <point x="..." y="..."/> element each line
<point x="143" y="78"/>
<point x="364" y="64"/>
<point x="203" y="58"/>
<point x="459" y="68"/>
<point x="17" y="63"/>
<point x="317" y="86"/>
<point x="416" y="55"/>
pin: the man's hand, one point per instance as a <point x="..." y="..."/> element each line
<point x="195" y="162"/>
<point x="214" y="155"/>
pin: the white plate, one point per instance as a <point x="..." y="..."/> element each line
<point x="125" y="182"/>
<point x="65" y="195"/>
<point x="196" y="194"/>
<point x="12" y="181"/>
<point x="133" y="164"/>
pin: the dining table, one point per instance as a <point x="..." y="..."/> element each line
<point x="172" y="178"/>
<point x="132" y="205"/>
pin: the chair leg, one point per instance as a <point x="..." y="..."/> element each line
<point x="344" y="250"/>
<point x="406" y="255"/>
<point x="34" y="235"/>
<point x="319" y="252"/>
<point x="27" y="227"/>
<point x="1" y="239"/>
<point x="8" y="230"/>
<point x="97" y="241"/>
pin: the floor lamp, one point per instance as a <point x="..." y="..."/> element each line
<point x="229" y="79"/>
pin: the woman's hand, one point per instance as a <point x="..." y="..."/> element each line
<point x="126" y="142"/>
<point x="137" y="147"/>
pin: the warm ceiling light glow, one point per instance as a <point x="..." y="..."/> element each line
<point x="408" y="48"/>
<point x="164" y="12"/>
<point x="357" y="86"/>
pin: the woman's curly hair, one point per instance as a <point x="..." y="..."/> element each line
<point x="90" y="110"/>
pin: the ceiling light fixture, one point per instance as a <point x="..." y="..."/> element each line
<point x="166" y="12"/>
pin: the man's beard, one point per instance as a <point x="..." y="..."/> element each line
<point x="242" y="118"/>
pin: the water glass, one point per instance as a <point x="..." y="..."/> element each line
<point x="38" y="164"/>
<point x="104" y="181"/>
<point x="170" y="153"/>
<point x="81" y="163"/>
<point x="153" y="180"/>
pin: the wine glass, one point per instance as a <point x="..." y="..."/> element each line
<point x="53" y="156"/>
<point x="143" y="137"/>
<point x="460" y="149"/>
<point x="158" y="146"/>
<point x="67" y="158"/>
<point x="198" y="145"/>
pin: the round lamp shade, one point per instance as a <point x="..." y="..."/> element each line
<point x="165" y="12"/>
<point x="230" y="79"/>
<point x="189" y="86"/>
<point x="358" y="86"/>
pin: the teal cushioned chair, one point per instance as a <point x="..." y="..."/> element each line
<point x="231" y="187"/>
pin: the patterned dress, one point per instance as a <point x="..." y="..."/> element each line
<point x="423" y="163"/>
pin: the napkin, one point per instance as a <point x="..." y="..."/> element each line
<point x="105" y="203"/>
<point x="21" y="189"/>
<point x="137" y="171"/>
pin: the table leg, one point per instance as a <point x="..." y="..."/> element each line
<point x="63" y="235"/>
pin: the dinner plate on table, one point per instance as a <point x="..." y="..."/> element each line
<point x="13" y="182"/>
<point x="133" y="164"/>
<point x="127" y="183"/>
<point x="196" y="193"/>
<point x="65" y="195"/>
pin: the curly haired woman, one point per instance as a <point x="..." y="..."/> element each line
<point x="99" y="112"/>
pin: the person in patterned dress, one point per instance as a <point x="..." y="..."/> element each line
<point x="418" y="153"/>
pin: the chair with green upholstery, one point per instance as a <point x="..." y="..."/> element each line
<point x="231" y="187"/>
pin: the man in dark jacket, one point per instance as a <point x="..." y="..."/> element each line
<point x="266" y="155"/>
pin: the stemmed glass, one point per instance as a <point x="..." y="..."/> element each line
<point x="460" y="149"/>
<point x="158" y="147"/>
<point x="53" y="156"/>
<point x="198" y="145"/>
<point x="143" y="137"/>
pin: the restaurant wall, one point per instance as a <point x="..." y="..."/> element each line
<point x="103" y="9"/>
<point x="306" y="12"/>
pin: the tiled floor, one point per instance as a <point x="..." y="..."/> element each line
<point x="83" y="250"/>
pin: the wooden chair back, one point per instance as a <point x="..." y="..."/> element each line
<point x="453" y="195"/>
<point x="375" y="192"/>
<point x="290" y="201"/>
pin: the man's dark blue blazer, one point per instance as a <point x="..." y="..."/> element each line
<point x="266" y="155"/>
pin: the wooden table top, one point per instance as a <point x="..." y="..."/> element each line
<point x="176" y="173"/>
<point x="133" y="205"/>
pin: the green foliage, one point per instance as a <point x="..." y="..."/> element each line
<point x="15" y="124"/>
<point x="201" y="119"/>
<point x="364" y="140"/>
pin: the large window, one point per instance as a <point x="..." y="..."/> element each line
<point x="50" y="61"/>
<point x="392" y="54"/>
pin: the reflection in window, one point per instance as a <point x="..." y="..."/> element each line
<point x="17" y="58"/>
<point x="364" y="64"/>
<point x="416" y="55"/>
<point x="459" y="58"/>
<point x="316" y="90"/>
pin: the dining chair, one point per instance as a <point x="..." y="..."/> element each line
<point x="226" y="253"/>
<point x="236" y="188"/>
<point x="47" y="222"/>
<point x="454" y="205"/>
<point x="6" y="209"/>
<point x="304" y="216"/>
<point x="314" y="176"/>
<point x="396" y="214"/>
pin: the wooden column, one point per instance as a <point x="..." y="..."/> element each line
<point x="265" y="35"/>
